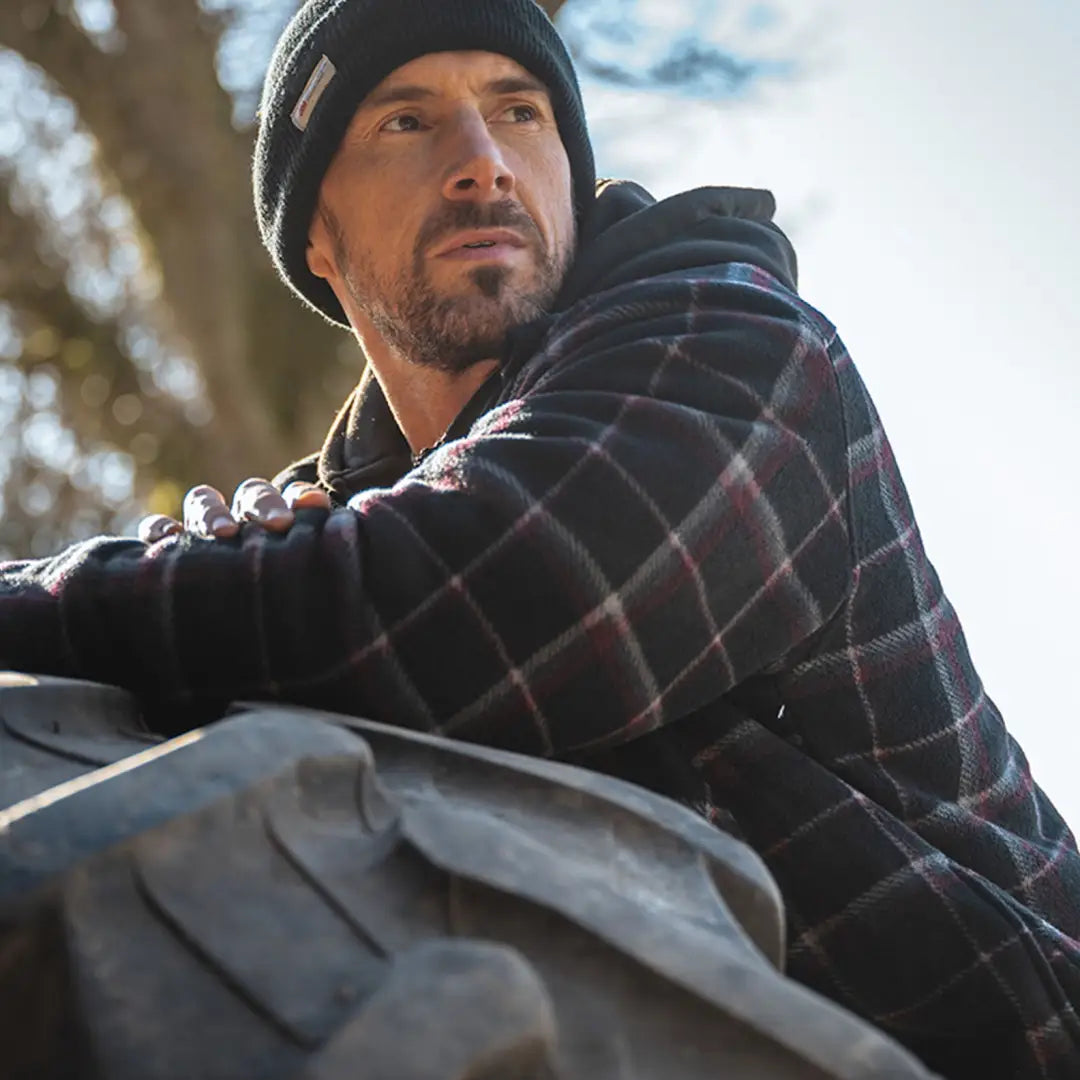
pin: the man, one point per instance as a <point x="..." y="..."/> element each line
<point x="610" y="491"/>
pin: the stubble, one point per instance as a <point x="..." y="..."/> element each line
<point x="453" y="331"/>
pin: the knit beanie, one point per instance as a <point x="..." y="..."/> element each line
<point x="334" y="53"/>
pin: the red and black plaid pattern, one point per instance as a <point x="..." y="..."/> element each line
<point x="677" y="546"/>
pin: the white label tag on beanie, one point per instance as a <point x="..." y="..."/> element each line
<point x="316" y="85"/>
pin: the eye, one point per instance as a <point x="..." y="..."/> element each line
<point x="523" y="114"/>
<point x="405" y="122"/>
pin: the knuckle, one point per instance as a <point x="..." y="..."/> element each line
<point x="149" y="527"/>
<point x="256" y="497"/>
<point x="156" y="527"/>
<point x="310" y="495"/>
<point x="298" y="490"/>
<point x="199" y="500"/>
<point x="201" y="508"/>
<point x="252" y="483"/>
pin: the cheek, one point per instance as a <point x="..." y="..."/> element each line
<point x="368" y="200"/>
<point x="377" y="240"/>
<point x="565" y="227"/>
<point x="556" y="196"/>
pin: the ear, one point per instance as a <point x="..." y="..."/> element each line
<point x="320" y="251"/>
<point x="322" y="260"/>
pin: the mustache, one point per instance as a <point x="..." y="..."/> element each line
<point x="455" y="216"/>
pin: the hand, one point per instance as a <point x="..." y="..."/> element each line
<point x="207" y="514"/>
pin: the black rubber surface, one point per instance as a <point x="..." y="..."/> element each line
<point x="258" y="900"/>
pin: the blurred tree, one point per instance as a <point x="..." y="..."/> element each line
<point x="145" y="341"/>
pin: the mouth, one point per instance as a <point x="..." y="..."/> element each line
<point x="482" y="245"/>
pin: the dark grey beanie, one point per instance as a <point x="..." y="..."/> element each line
<point x="334" y="53"/>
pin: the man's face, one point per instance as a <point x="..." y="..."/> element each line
<point x="446" y="217"/>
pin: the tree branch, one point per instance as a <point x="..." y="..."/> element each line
<point x="40" y="34"/>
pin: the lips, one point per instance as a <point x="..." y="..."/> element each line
<point x="478" y="242"/>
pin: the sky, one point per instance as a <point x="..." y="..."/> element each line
<point x="927" y="166"/>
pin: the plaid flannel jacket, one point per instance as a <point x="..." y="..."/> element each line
<point x="675" y="545"/>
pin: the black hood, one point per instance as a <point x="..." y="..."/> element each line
<point x="627" y="236"/>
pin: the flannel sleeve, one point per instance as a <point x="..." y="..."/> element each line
<point x="656" y="514"/>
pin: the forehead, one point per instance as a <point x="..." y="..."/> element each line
<point x="452" y="74"/>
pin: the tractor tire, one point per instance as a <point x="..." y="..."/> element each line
<point x="286" y="893"/>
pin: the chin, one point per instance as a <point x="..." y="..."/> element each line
<point x="477" y="321"/>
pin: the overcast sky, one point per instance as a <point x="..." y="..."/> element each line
<point x="928" y="169"/>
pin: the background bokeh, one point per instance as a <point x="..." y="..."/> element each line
<point x="925" y="159"/>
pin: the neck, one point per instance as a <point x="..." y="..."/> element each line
<point x="423" y="400"/>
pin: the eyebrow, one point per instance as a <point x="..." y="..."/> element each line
<point x="512" y="84"/>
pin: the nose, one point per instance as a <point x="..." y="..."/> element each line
<point x="481" y="173"/>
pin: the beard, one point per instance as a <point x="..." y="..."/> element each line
<point x="446" y="330"/>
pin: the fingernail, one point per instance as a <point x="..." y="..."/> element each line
<point x="223" y="526"/>
<point x="277" y="514"/>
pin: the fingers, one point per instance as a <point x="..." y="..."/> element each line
<point x="259" y="501"/>
<point x="156" y="527"/>
<point x="207" y="514"/>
